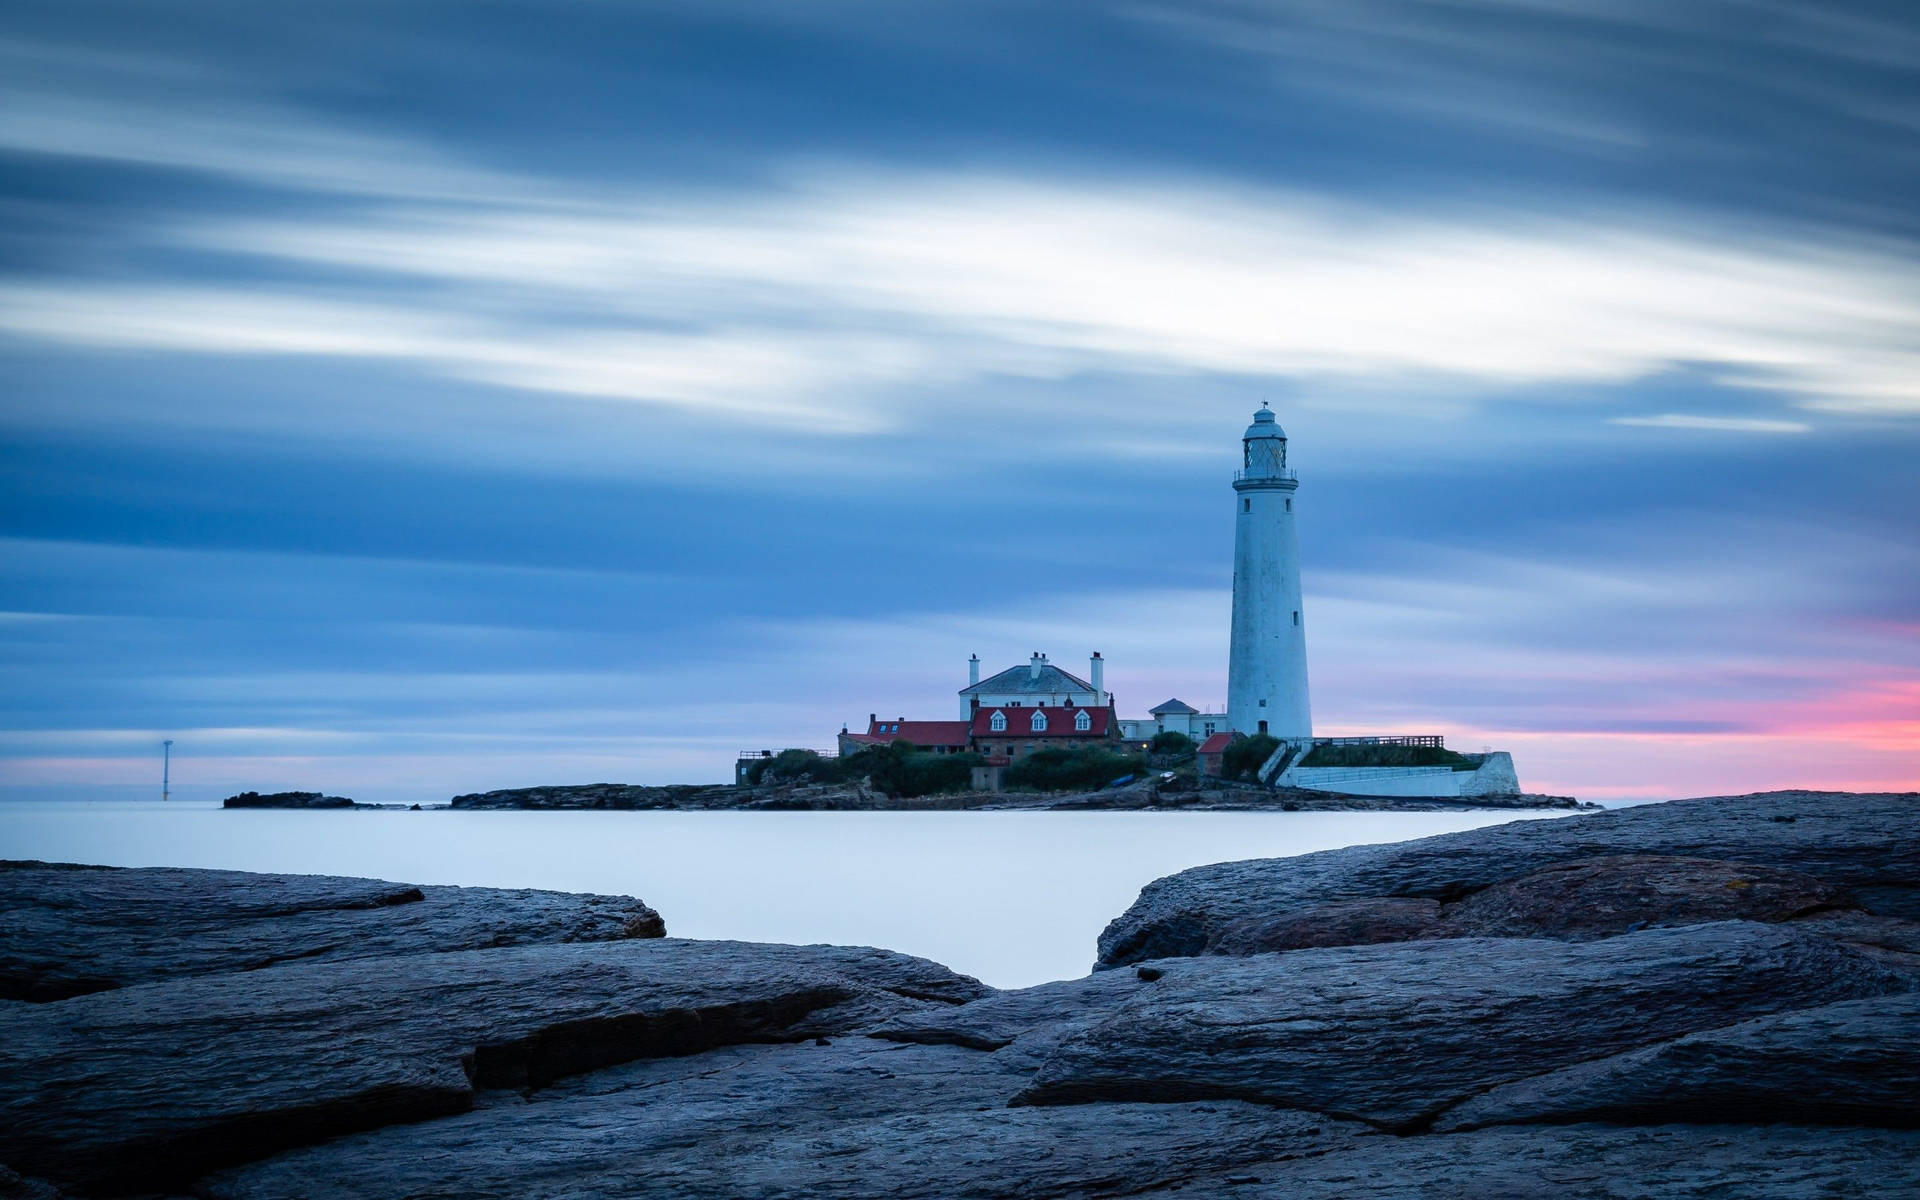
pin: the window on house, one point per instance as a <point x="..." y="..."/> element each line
<point x="1263" y="724"/>
<point x="1263" y="704"/>
<point x="1082" y="722"/>
<point x="1039" y="720"/>
<point x="998" y="723"/>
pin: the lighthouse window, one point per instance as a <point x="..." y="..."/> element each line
<point x="1296" y="616"/>
<point x="1289" y="504"/>
<point x="1246" y="504"/>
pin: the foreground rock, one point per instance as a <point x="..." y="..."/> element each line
<point x="1589" y="1162"/>
<point x="70" y="930"/>
<point x="1394" y="1035"/>
<point x="1586" y="1008"/>
<point x="1857" y="1061"/>
<point x="1862" y="843"/>
<point x="855" y="1118"/>
<point x="100" y="1095"/>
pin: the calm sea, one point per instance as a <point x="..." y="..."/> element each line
<point x="1013" y="898"/>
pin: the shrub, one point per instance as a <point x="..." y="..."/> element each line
<point x="1082" y="768"/>
<point x="903" y="770"/>
<point x="793" y="766"/>
<point x="1244" y="757"/>
<point x="1171" y="742"/>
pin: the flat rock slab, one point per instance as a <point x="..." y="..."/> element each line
<point x="857" y="1118"/>
<point x="1868" y="844"/>
<point x="1395" y="1034"/>
<point x="149" y="1086"/>
<point x="1853" y="1063"/>
<point x="1600" y="897"/>
<point x="1590" y="1162"/>
<point x="70" y="930"/>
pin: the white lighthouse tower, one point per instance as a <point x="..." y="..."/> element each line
<point x="1267" y="666"/>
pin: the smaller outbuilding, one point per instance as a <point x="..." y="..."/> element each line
<point x="1212" y="752"/>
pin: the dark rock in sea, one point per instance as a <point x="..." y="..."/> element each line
<point x="1852" y="1063"/>
<point x="100" y="1095"/>
<point x="1395" y="1034"/>
<point x="1862" y="843"/>
<point x="287" y="800"/>
<point x="70" y="930"/>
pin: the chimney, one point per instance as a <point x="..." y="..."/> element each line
<point x="1097" y="672"/>
<point x="1033" y="665"/>
<point x="973" y="670"/>
<point x="872" y="720"/>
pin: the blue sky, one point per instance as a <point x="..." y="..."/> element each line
<point x="408" y="398"/>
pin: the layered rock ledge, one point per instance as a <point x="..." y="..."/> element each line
<point x="1709" y="998"/>
<point x="1181" y="793"/>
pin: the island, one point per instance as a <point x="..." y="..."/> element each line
<point x="1718" y="996"/>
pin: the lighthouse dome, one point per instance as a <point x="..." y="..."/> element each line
<point x="1264" y="426"/>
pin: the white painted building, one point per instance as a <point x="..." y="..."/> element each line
<point x="1038" y="684"/>
<point x="1173" y="716"/>
<point x="1267" y="661"/>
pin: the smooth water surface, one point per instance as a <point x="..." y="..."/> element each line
<point x="1014" y="898"/>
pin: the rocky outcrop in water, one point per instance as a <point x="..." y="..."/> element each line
<point x="1704" y="999"/>
<point x="288" y="800"/>
<point x="70" y="930"/>
<point x="1149" y="795"/>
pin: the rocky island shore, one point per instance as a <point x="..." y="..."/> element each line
<point x="1711" y="997"/>
<point x="1183" y="793"/>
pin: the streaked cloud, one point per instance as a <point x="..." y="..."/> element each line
<point x="1725" y="424"/>
<point x="818" y="304"/>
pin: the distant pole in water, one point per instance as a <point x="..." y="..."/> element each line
<point x="166" y="769"/>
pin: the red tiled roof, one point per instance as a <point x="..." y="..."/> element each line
<point x="1059" y="722"/>
<point x="1216" y="743"/>
<point x="920" y="733"/>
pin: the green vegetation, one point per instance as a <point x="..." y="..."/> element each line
<point x="1388" y="756"/>
<point x="899" y="769"/>
<point x="1243" y="757"/>
<point x="1170" y="742"/>
<point x="1083" y="768"/>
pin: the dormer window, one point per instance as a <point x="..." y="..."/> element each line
<point x="1039" y="721"/>
<point x="999" y="722"/>
<point x="1082" y="721"/>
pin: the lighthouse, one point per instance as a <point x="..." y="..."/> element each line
<point x="1267" y="664"/>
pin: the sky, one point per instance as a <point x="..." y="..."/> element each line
<point x="407" y="398"/>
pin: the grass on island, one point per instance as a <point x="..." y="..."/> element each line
<point x="1388" y="756"/>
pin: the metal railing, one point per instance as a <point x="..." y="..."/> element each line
<point x="1410" y="739"/>
<point x="1261" y="475"/>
